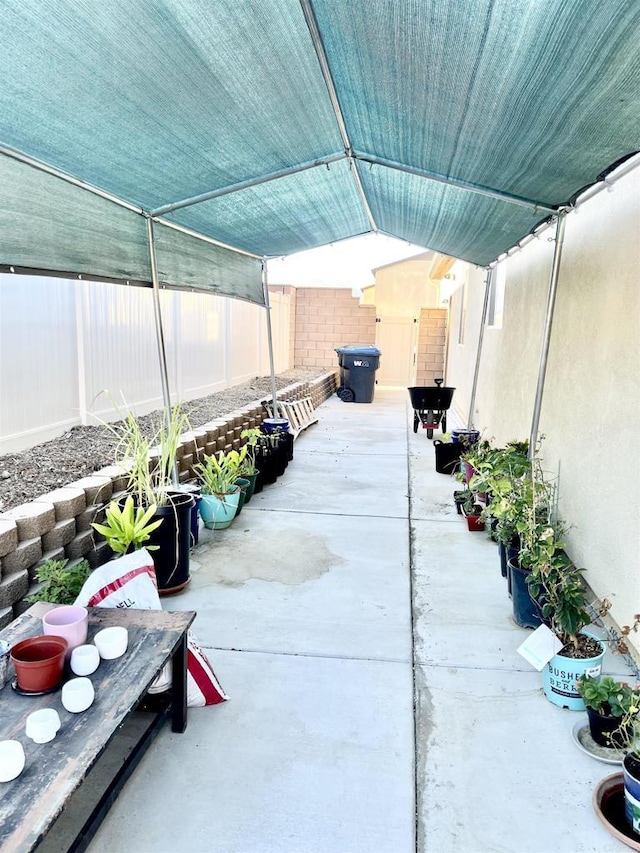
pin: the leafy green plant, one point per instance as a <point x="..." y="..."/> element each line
<point x="61" y="585"/>
<point x="609" y="696"/>
<point x="218" y="473"/>
<point x="468" y="501"/>
<point x="128" y="527"/>
<point x="151" y="471"/>
<point x="618" y="699"/>
<point x="554" y="581"/>
<point x="476" y="453"/>
<point x="252" y="437"/>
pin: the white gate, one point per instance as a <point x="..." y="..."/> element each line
<point x="397" y="339"/>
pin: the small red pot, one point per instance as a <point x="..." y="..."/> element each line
<point x="39" y="662"/>
<point x="474" y="522"/>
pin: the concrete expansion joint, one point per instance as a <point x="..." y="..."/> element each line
<point x="325" y="656"/>
<point x="318" y="512"/>
<point x="349" y="452"/>
<point x="467" y="668"/>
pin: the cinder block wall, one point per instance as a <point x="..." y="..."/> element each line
<point x="57" y="525"/>
<point x="326" y="318"/>
<point x="431" y="341"/>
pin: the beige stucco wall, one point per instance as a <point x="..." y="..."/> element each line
<point x="591" y="404"/>
<point x="461" y="357"/>
<point x="403" y="288"/>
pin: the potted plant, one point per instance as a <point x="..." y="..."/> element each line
<point x="500" y="474"/>
<point x="236" y="460"/>
<point x="557" y="586"/>
<point x="522" y="510"/>
<point x="127" y="529"/>
<point x="265" y="460"/>
<point x="631" y="768"/>
<point x="248" y="468"/>
<point x="472" y="510"/>
<point x="473" y="457"/>
<point x="151" y="465"/>
<point x="624" y="701"/>
<point x="220" y="494"/>
<point x="611" y="707"/>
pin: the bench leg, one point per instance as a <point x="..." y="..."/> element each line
<point x="179" y="687"/>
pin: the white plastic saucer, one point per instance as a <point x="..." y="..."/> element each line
<point x="583" y="740"/>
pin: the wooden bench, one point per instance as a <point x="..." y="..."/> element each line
<point x="30" y="804"/>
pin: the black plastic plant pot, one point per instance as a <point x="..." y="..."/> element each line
<point x="603" y="729"/>
<point x="288" y="442"/>
<point x="280" y="458"/>
<point x="171" y="560"/>
<point x="196" y="491"/>
<point x="513" y="556"/>
<point x="447" y="456"/>
<point x="502" y="554"/>
<point x="526" y="612"/>
<point x="266" y="468"/>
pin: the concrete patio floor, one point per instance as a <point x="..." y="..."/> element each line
<point x="328" y="744"/>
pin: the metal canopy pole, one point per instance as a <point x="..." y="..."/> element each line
<point x="157" y="316"/>
<point x="251" y="182"/>
<point x="265" y="288"/>
<point x="487" y="289"/>
<point x="546" y="340"/>
<point x="318" y="44"/>
<point x="489" y="192"/>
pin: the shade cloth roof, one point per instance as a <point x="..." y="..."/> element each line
<point x="456" y="125"/>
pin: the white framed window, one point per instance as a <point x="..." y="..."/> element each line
<point x="497" y="286"/>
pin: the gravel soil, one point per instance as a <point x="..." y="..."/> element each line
<point x="85" y="449"/>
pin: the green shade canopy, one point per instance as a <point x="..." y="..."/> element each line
<point x="272" y="126"/>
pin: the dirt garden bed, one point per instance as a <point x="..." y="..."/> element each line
<point x="85" y="449"/>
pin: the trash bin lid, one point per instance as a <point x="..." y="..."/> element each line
<point x="358" y="349"/>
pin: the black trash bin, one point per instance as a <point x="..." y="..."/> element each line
<point x="358" y="365"/>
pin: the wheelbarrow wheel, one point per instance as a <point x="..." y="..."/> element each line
<point x="443" y="422"/>
<point x="429" y="432"/>
<point x="416" y="421"/>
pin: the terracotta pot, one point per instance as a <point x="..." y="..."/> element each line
<point x="39" y="662"/>
<point x="609" y="805"/>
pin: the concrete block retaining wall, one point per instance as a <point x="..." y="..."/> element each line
<point x="57" y="525"/>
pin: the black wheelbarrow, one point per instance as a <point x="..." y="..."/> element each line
<point x="430" y="406"/>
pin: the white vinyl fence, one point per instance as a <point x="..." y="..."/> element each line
<point x="66" y="347"/>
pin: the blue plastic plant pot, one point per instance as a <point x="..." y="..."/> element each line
<point x="561" y="674"/>
<point x="272" y="424"/>
<point x="218" y="513"/>
<point x="631" y="771"/>
<point x="526" y="612"/>
<point x="470" y="436"/>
